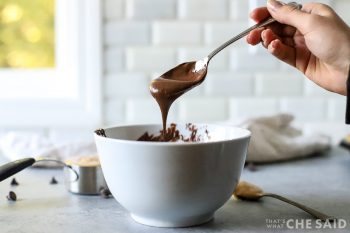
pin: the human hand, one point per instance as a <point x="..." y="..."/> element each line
<point x="314" y="39"/>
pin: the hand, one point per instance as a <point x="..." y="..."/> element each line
<point x="314" y="39"/>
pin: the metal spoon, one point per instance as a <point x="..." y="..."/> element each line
<point x="204" y="62"/>
<point x="248" y="191"/>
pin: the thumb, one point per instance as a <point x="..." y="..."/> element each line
<point x="288" y="14"/>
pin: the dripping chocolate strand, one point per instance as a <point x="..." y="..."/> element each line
<point x="174" y="83"/>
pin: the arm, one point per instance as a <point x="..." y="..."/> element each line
<point x="347" y="117"/>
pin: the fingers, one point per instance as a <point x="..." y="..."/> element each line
<point x="259" y="14"/>
<point x="267" y="37"/>
<point x="288" y="31"/>
<point x="282" y="30"/>
<point x="282" y="51"/>
<point x="254" y="37"/>
<point x="290" y="15"/>
<point x="282" y="48"/>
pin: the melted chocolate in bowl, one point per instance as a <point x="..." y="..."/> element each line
<point x="172" y="134"/>
<point x="177" y="81"/>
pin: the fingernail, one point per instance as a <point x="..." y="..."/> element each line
<point x="274" y="44"/>
<point x="273" y="4"/>
<point x="248" y="37"/>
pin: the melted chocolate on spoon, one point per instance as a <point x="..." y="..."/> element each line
<point x="177" y="81"/>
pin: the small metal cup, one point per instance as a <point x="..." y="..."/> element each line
<point x="86" y="180"/>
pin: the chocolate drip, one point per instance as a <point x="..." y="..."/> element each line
<point x="174" y="83"/>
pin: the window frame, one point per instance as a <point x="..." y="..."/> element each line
<point x="70" y="93"/>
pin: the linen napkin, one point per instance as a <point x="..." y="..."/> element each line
<point x="17" y="145"/>
<point x="275" y="139"/>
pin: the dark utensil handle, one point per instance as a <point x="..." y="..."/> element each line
<point x="14" y="167"/>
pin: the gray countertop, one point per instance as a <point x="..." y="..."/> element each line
<point x="321" y="182"/>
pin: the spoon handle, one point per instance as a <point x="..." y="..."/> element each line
<point x="315" y="213"/>
<point x="264" y="23"/>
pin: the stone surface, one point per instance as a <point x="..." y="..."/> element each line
<point x="320" y="182"/>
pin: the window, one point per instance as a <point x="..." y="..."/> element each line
<point x="63" y="90"/>
<point x="27" y="33"/>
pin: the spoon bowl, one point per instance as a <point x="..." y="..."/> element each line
<point x="248" y="191"/>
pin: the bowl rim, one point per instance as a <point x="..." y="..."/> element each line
<point x="247" y="134"/>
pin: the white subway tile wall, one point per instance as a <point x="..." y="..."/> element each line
<point x="307" y="109"/>
<point x="203" y="9"/>
<point x="114" y="9"/>
<point x="149" y="59"/>
<point x="113" y="60"/>
<point x="278" y="84"/>
<point x="342" y="7"/>
<point x="149" y="9"/>
<point x="203" y="109"/>
<point x="122" y="33"/>
<point x="175" y="33"/>
<point x="116" y="85"/>
<point x="216" y="32"/>
<point x="242" y="108"/>
<point x="239" y="9"/>
<point x="144" y="38"/>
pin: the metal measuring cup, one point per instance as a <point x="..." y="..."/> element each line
<point x="80" y="178"/>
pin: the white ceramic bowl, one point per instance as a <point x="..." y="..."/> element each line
<point x="167" y="184"/>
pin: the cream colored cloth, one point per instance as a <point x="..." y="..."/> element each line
<point x="275" y="139"/>
<point x="17" y="145"/>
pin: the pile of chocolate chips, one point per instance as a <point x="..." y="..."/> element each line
<point x="172" y="135"/>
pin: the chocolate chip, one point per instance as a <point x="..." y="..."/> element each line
<point x="105" y="193"/>
<point x="101" y="132"/>
<point x="11" y="196"/>
<point x="14" y="182"/>
<point x="252" y="167"/>
<point x="53" y="180"/>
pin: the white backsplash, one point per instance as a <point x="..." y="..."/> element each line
<point x="144" y="38"/>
